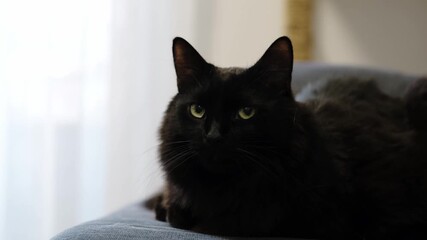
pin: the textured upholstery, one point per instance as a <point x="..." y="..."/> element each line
<point x="307" y="76"/>
<point x="132" y="222"/>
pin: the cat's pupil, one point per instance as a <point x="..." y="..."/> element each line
<point x="198" y="109"/>
<point x="247" y="110"/>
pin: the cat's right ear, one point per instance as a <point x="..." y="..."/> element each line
<point x="189" y="65"/>
<point x="276" y="65"/>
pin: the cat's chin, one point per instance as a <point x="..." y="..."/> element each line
<point x="216" y="163"/>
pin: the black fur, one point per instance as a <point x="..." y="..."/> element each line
<point x="351" y="164"/>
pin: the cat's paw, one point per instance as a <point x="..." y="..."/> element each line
<point x="155" y="204"/>
<point x="416" y="104"/>
<point x="160" y="211"/>
<point x="179" y="217"/>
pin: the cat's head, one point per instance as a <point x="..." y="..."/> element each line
<point x="225" y="120"/>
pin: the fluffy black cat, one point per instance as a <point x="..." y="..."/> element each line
<point x="242" y="158"/>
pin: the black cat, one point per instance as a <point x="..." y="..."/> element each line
<point x="242" y="158"/>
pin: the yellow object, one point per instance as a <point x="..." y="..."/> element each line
<point x="298" y="14"/>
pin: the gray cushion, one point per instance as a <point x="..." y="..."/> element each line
<point x="136" y="222"/>
<point x="307" y="76"/>
<point x="132" y="222"/>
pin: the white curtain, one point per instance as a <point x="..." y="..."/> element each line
<point x="83" y="85"/>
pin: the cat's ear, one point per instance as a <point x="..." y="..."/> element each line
<point x="189" y="65"/>
<point x="276" y="64"/>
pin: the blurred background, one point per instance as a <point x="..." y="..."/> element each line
<point x="84" y="83"/>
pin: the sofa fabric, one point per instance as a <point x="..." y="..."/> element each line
<point x="132" y="222"/>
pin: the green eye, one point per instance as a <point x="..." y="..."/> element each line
<point x="246" y="113"/>
<point x="197" y="111"/>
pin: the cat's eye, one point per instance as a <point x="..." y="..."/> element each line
<point x="197" y="111"/>
<point x="246" y="113"/>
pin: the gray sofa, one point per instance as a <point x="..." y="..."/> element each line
<point x="136" y="222"/>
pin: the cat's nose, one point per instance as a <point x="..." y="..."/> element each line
<point x="214" y="134"/>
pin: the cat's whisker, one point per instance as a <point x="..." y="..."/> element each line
<point x="172" y="163"/>
<point x="178" y="160"/>
<point x="174" y="142"/>
<point x="176" y="157"/>
<point x="172" y="151"/>
<point x="254" y="158"/>
<point x="156" y="146"/>
<point x="189" y="156"/>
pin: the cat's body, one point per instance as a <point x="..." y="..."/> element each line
<point x="381" y="155"/>
<point x="243" y="158"/>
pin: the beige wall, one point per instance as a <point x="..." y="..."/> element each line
<point x="389" y="34"/>
<point x="239" y="30"/>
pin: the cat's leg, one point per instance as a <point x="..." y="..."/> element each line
<point x="155" y="203"/>
<point x="160" y="210"/>
<point x="178" y="217"/>
<point x="416" y="105"/>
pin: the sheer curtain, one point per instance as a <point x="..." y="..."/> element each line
<point x="83" y="85"/>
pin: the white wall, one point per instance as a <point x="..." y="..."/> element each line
<point x="239" y="31"/>
<point x="142" y="83"/>
<point x="389" y="34"/>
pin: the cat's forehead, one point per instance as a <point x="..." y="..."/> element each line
<point x="227" y="86"/>
<point x="225" y="73"/>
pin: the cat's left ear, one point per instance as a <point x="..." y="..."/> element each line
<point x="275" y="66"/>
<point x="189" y="65"/>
